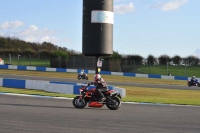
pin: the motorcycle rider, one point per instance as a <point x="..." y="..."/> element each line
<point x="100" y="86"/>
<point x="193" y="79"/>
<point x="82" y="73"/>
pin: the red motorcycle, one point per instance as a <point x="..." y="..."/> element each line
<point x="92" y="97"/>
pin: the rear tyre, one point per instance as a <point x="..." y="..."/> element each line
<point x="198" y="84"/>
<point x="79" y="77"/>
<point x="79" y="102"/>
<point x="113" y="103"/>
<point x="189" y="84"/>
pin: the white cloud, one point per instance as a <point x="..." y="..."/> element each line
<point x="49" y="39"/>
<point x="30" y="34"/>
<point x="11" y="25"/>
<point x="34" y="34"/>
<point x="171" y="5"/>
<point x="30" y="30"/>
<point x="30" y="38"/>
<point x="121" y="9"/>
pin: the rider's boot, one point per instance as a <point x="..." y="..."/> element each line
<point x="102" y="98"/>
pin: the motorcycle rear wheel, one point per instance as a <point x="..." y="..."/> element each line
<point x="189" y="84"/>
<point x="79" y="103"/>
<point x="113" y="103"/>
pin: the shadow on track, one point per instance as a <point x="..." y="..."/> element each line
<point x="28" y="105"/>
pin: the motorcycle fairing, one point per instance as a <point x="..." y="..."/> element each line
<point x="113" y="93"/>
<point x="95" y="104"/>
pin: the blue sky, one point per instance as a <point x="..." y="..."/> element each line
<point x="141" y="27"/>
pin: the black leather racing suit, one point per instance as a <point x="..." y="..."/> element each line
<point x="100" y="86"/>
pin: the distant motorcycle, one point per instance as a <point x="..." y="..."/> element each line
<point x="84" y="76"/>
<point x="113" y="98"/>
<point x="195" y="83"/>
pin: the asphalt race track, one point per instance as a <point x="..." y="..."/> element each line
<point x="20" y="114"/>
<point x="109" y="83"/>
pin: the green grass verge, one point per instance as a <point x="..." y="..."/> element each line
<point x="166" y="96"/>
<point x="28" y="62"/>
<point x="187" y="71"/>
<point x="34" y="92"/>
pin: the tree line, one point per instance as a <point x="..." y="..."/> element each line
<point x="152" y="60"/>
<point x="14" y="46"/>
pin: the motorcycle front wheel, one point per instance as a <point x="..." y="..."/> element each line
<point x="113" y="103"/>
<point x="79" y="102"/>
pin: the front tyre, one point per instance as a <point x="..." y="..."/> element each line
<point x="79" y="102"/>
<point x="113" y="103"/>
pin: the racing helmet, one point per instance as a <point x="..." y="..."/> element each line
<point x="193" y="76"/>
<point x="97" y="77"/>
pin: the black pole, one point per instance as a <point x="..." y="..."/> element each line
<point x="97" y="30"/>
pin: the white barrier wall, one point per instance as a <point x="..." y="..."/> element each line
<point x="117" y="73"/>
<point x="167" y="77"/>
<point x="36" y="84"/>
<point x="72" y="70"/>
<point x="12" y="67"/>
<point x="66" y="88"/>
<point x="61" y="88"/>
<point x="142" y="75"/>
<point x="1" y="81"/>
<point x="51" y="69"/>
<point x="31" y="68"/>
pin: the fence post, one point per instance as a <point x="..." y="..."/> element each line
<point x="18" y="60"/>
<point x="30" y="59"/>
<point x="85" y="62"/>
<point x="46" y="60"/>
<point x="116" y="65"/>
<point x="10" y="59"/>
<point x="167" y="67"/>
<point x="185" y="67"/>
<point x="149" y="66"/>
<point x="134" y="66"/>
